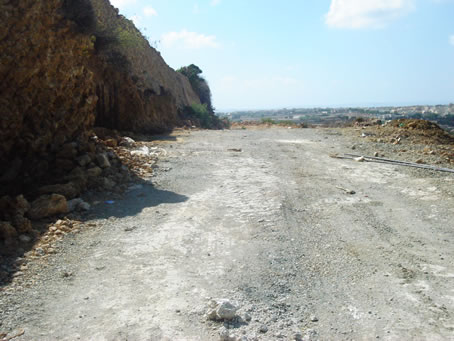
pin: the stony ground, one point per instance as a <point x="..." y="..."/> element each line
<point x="267" y="220"/>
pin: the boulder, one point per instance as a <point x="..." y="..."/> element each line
<point x="48" y="205"/>
<point x="102" y="160"/>
<point x="108" y="184"/>
<point x="94" y="172"/>
<point x="127" y="142"/>
<point x="78" y="205"/>
<point x="7" y="231"/>
<point x="22" y="224"/>
<point x="84" y="160"/>
<point x="22" y="205"/>
<point x="222" y="310"/>
<point x="68" y="190"/>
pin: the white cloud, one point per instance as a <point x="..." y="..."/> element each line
<point x="215" y="2"/>
<point x="451" y="40"/>
<point x="366" y="13"/>
<point x="189" y="39"/>
<point x="149" y="11"/>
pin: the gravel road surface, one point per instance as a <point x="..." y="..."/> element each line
<point x="267" y="220"/>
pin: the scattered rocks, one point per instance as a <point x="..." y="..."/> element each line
<point x="313" y="318"/>
<point x="222" y="310"/>
<point x="48" y="205"/>
<point x="142" y="151"/>
<point x="224" y="335"/>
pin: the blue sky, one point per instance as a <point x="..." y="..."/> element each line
<point x="263" y="54"/>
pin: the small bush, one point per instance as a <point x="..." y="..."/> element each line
<point x="268" y="121"/>
<point x="204" y="118"/>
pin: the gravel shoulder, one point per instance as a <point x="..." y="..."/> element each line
<point x="259" y="217"/>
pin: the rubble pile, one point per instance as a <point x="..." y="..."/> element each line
<point x="112" y="164"/>
<point x="414" y="140"/>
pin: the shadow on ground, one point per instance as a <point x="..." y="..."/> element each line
<point x="134" y="202"/>
<point x="111" y="204"/>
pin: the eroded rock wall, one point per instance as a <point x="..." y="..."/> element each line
<point x="47" y="90"/>
<point x="137" y="90"/>
<point x="66" y="65"/>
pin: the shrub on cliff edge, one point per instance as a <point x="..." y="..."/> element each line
<point x="199" y="84"/>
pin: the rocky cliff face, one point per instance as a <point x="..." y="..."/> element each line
<point x="137" y="90"/>
<point x="64" y="65"/>
<point x="47" y="90"/>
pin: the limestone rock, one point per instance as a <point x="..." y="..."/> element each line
<point x="224" y="335"/>
<point x="78" y="205"/>
<point x="68" y="190"/>
<point x="108" y="184"/>
<point x="102" y="160"/>
<point x="24" y="238"/>
<point x="127" y="142"/>
<point x="7" y="232"/>
<point x="222" y="310"/>
<point x="22" y="224"/>
<point x="22" y="205"/>
<point x="84" y="160"/>
<point x="48" y="205"/>
<point x="94" y="172"/>
<point x="111" y="143"/>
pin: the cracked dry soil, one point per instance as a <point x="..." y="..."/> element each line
<point x="267" y="228"/>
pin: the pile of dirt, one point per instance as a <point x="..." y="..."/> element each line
<point x="422" y="131"/>
<point x="409" y="139"/>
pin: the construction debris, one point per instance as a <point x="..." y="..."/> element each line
<point x="394" y="162"/>
<point x="348" y="191"/>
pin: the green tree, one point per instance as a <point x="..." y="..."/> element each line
<point x="199" y="84"/>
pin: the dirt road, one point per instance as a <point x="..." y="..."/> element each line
<point x="269" y="229"/>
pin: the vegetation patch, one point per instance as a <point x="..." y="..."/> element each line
<point x="201" y="116"/>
